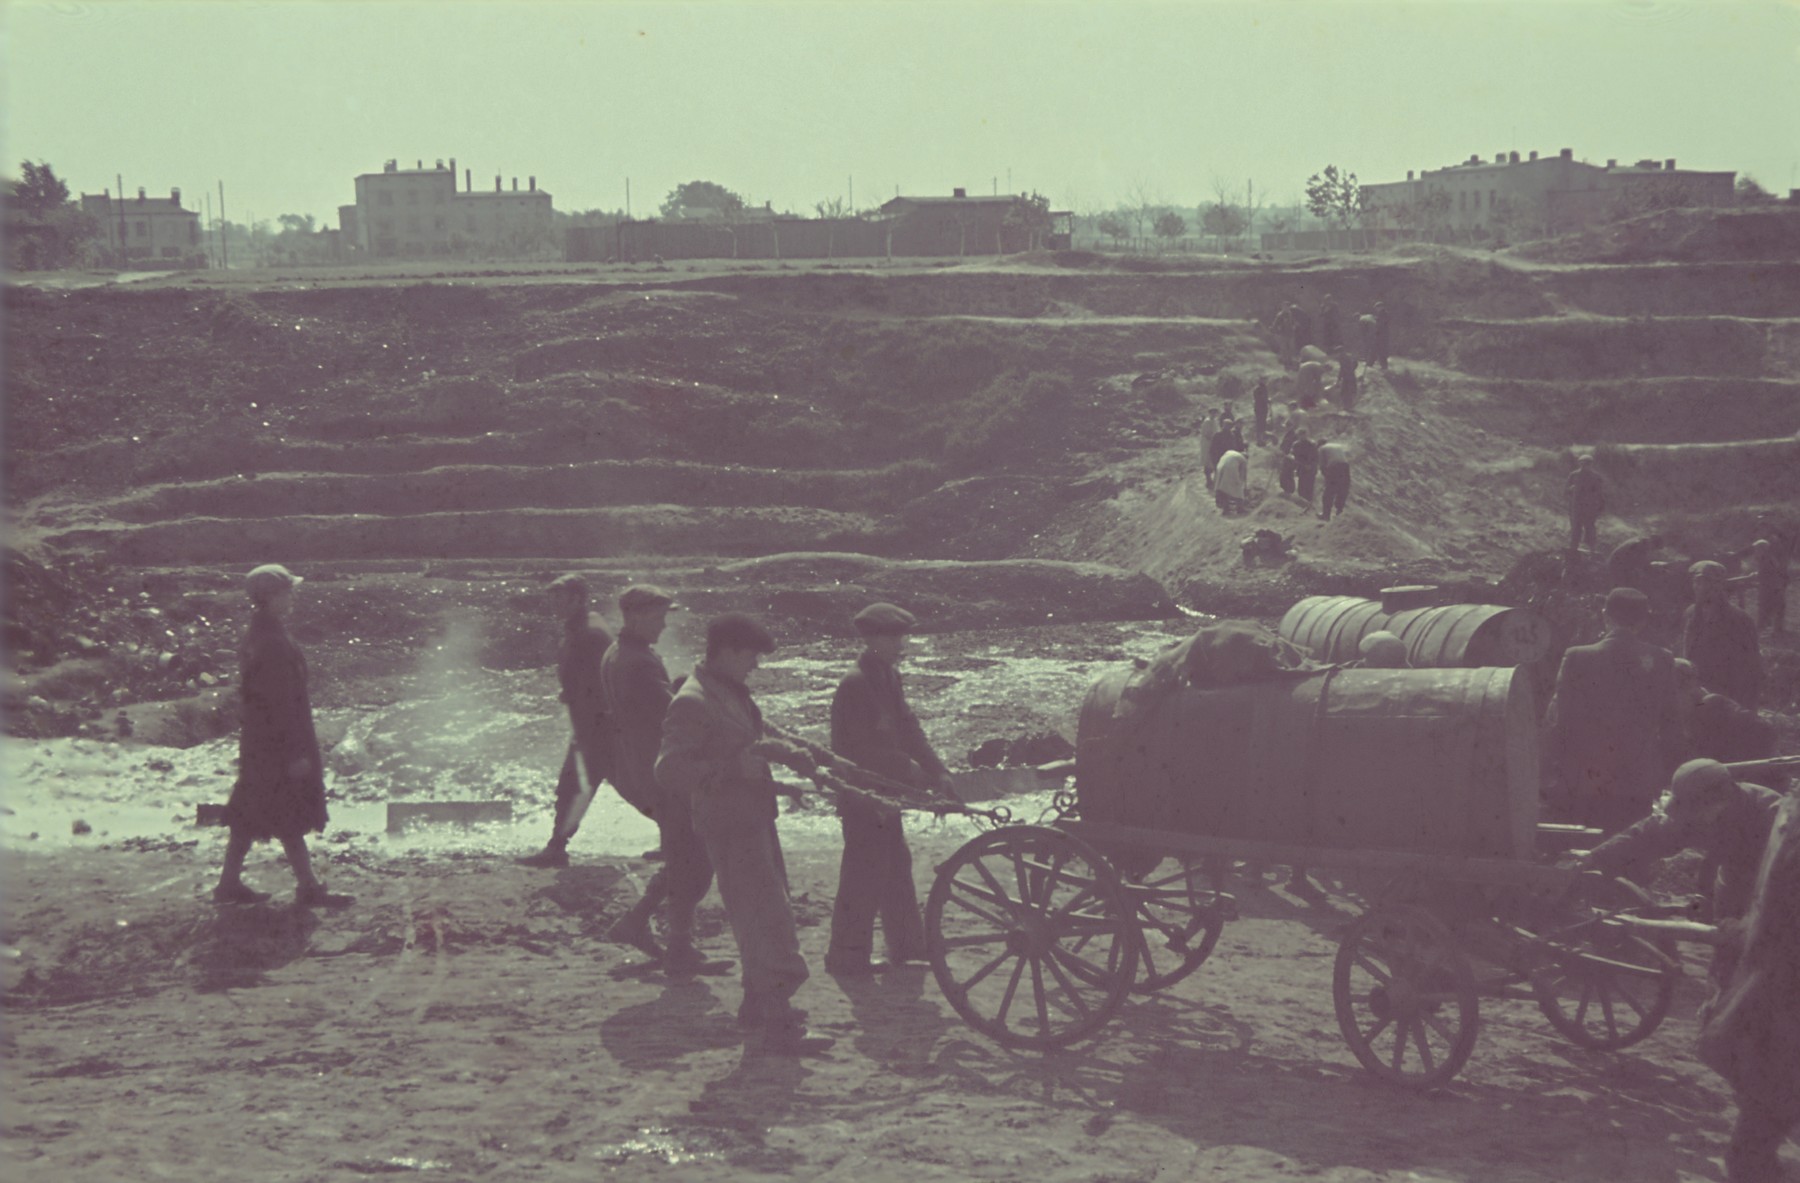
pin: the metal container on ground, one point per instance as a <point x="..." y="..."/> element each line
<point x="1447" y="636"/>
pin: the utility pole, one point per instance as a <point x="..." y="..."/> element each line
<point x="996" y="184"/>
<point x="224" y="247"/>
<point x="209" y="221"/>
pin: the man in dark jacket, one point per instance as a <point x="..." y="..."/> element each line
<point x="1586" y="497"/>
<point x="1259" y="407"/>
<point x="710" y="755"/>
<point x="1614" y="721"/>
<point x="873" y="727"/>
<point x="585" y="641"/>
<point x="1346" y="392"/>
<point x="280" y="790"/>
<point x="1750" y="1034"/>
<point x="636" y="687"/>
<point x="1306" y="465"/>
<point x="1720" y="639"/>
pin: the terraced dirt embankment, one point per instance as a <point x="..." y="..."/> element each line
<point x="1036" y="409"/>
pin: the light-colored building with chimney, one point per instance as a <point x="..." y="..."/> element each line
<point x="1551" y="194"/>
<point x="145" y="227"/>
<point x="420" y="211"/>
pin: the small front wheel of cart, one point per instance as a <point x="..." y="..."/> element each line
<point x="1603" y="987"/>
<point x="1179" y="918"/>
<point x="1405" y="996"/>
<point x="1032" y="938"/>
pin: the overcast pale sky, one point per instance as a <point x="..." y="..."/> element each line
<point x="287" y="101"/>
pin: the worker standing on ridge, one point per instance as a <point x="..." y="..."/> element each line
<point x="1306" y="464"/>
<point x="1209" y="427"/>
<point x="584" y="642"/>
<point x="1231" y="492"/>
<point x="1586" y="497"/>
<point x="873" y="727"/>
<point x="1259" y="407"/>
<point x="1346" y="392"/>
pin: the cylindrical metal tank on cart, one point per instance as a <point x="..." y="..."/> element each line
<point x="1447" y="636"/>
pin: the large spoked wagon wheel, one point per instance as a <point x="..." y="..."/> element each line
<point x="1602" y="986"/>
<point x="1179" y="919"/>
<point x="1405" y="996"/>
<point x="1032" y="938"/>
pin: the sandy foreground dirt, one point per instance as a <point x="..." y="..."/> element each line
<point x="465" y="1019"/>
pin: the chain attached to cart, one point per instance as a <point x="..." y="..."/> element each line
<point x="831" y="775"/>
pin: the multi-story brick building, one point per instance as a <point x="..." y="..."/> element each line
<point x="419" y="211"/>
<point x="147" y="228"/>
<point x="1553" y="194"/>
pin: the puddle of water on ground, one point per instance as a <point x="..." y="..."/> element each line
<point x="489" y="735"/>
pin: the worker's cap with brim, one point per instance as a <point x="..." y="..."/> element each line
<point x="878" y="620"/>
<point x="1707" y="569"/>
<point x="1627" y="605"/>
<point x="568" y="583"/>
<point x="1697" y="783"/>
<point x="270" y="578"/>
<point x="734" y="630"/>
<point x="640" y="596"/>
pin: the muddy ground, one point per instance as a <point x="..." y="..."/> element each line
<point x="1007" y="448"/>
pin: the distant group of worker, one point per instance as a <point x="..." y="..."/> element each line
<point x="689" y="753"/>
<point x="1302" y="464"/>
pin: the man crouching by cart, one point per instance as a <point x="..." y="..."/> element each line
<point x="873" y="727"/>
<point x="709" y="756"/>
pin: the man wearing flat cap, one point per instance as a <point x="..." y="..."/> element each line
<point x="709" y="755"/>
<point x="1614" y="721"/>
<point x="1720" y="639"/>
<point x="873" y="727"/>
<point x="637" y="692"/>
<point x="585" y="640"/>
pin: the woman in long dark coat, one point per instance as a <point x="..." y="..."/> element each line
<point x="280" y="790"/>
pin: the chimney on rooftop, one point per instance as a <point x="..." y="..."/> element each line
<point x="175" y="196"/>
<point x="959" y="192"/>
<point x="515" y="184"/>
<point x="1512" y="158"/>
<point x="1566" y="154"/>
<point x="453" y="174"/>
<point x="533" y="184"/>
<point x="1534" y="153"/>
<point x="468" y="180"/>
<point x="1669" y="164"/>
<point x="497" y="185"/>
<point x="421" y="165"/>
<point x="140" y="193"/>
<point x="1499" y="158"/>
<point x="1409" y="173"/>
<point x="1612" y="164"/>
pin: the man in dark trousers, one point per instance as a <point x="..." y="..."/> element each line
<point x="637" y="693"/>
<point x="584" y="642"/>
<point x="710" y="755"/>
<point x="873" y="727"/>
<point x="1328" y="325"/>
<point x="1346" y="392"/>
<point x="1334" y="467"/>
<point x="1750" y="1034"/>
<point x="1720" y="639"/>
<point x="1586" y="496"/>
<point x="1614" y="721"/>
<point x="1306" y="465"/>
<point x="1259" y="405"/>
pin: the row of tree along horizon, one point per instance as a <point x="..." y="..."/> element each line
<point x="57" y="234"/>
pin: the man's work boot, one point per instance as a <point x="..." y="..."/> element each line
<point x="553" y="855"/>
<point x="683" y="960"/>
<point x="634" y="930"/>
<point x="237" y="893"/>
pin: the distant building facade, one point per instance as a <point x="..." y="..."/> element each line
<point x="147" y="227"/>
<point x="964" y="225"/>
<point x="1552" y="194"/>
<point x="402" y="213"/>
